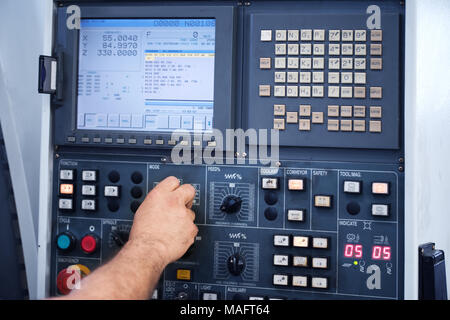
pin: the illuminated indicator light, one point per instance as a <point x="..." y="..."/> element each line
<point x="355" y="263"/>
<point x="66" y="189"/>
<point x="296" y="184"/>
<point x="380" y="188"/>
<point x="184" y="274"/>
<point x="322" y="201"/>
<point x="381" y="253"/>
<point x="353" y="251"/>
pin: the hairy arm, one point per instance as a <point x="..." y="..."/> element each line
<point x="163" y="230"/>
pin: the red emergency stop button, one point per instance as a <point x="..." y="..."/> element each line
<point x="70" y="277"/>
<point x="89" y="244"/>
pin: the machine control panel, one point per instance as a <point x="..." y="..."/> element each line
<point x="324" y="221"/>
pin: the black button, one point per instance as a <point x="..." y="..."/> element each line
<point x="353" y="208"/>
<point x="136" y="192"/>
<point x="271" y="213"/>
<point x="113" y="205"/>
<point x="134" y="206"/>
<point x="137" y="177"/>
<point x="270" y="197"/>
<point x="114" y="176"/>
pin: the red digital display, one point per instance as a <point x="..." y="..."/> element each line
<point x="378" y="252"/>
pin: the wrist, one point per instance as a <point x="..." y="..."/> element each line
<point x="152" y="252"/>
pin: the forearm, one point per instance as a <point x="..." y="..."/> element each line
<point x="132" y="274"/>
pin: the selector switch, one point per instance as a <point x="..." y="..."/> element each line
<point x="231" y="204"/>
<point x="112" y="191"/>
<point x="236" y="264"/>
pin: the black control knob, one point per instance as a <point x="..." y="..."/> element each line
<point x="231" y="204"/>
<point x="236" y="264"/>
<point x="120" y="235"/>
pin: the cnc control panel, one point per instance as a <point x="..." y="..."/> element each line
<point x="325" y="221"/>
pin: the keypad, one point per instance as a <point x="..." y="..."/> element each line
<point x="319" y="63"/>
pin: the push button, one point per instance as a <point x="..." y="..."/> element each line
<point x="112" y="191"/>
<point x="66" y="174"/>
<point x="296" y="215"/>
<point x="300" y="241"/>
<point x="270" y="183"/>
<point x="300" y="281"/>
<point x="184" y="274"/>
<point x="65" y="204"/>
<point x="89" y="175"/>
<point x="280" y="279"/>
<point x="65" y="241"/>
<point x="209" y="296"/>
<point x="352" y="186"/>
<point x="300" y="261"/>
<point x="321" y="201"/>
<point x="319" y="263"/>
<point x="89" y="244"/>
<point x="280" y="260"/>
<point x="88" y="190"/>
<point x="66" y="189"/>
<point x="296" y="184"/>
<point x="380" y="188"/>
<point x="88" y="205"/>
<point x="320" y="243"/>
<point x="281" y="241"/>
<point x="320" y="283"/>
<point x="380" y="210"/>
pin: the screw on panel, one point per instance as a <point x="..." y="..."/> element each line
<point x="401" y="160"/>
<point x="244" y="154"/>
<point x="400" y="168"/>
<point x="237" y="154"/>
<point x="163" y="159"/>
<point x="278" y="164"/>
<point x="56" y="155"/>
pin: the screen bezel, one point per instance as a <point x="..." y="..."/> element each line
<point x="66" y="116"/>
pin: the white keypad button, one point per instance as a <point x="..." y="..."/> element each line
<point x="278" y="124"/>
<point x="319" y="263"/>
<point x="352" y="186"/>
<point x="359" y="111"/>
<point x="360" y="77"/>
<point x="360" y="63"/>
<point x="305" y="92"/>
<point x="88" y="190"/>
<point x="292" y="77"/>
<point x="279" y="91"/>
<point x="306" y="34"/>
<point x="319" y="49"/>
<point x="280" y="63"/>
<point x="334" y="49"/>
<point x="334" y="35"/>
<point x="347" y="49"/>
<point x="65" y="204"/>
<point x="293" y="49"/>
<point x="281" y="241"/>
<point x="347" y="63"/>
<point x="305" y="110"/>
<point x="319" y="35"/>
<point x="380" y="210"/>
<point x="346" y="92"/>
<point x="280" y="260"/>
<point x="320" y="243"/>
<point x="305" y="49"/>
<point x="305" y="63"/>
<point x="291" y="117"/>
<point x="360" y="49"/>
<point x="300" y="281"/>
<point x="317" y="91"/>
<point x="346" y="77"/>
<point x="300" y="261"/>
<point x="292" y="35"/>
<point x="360" y="35"/>
<point x="318" y="77"/>
<point x="300" y="241"/>
<point x="280" y="76"/>
<point x="376" y="35"/>
<point x="264" y="91"/>
<point x="320" y="283"/>
<point x="280" y="279"/>
<point x="280" y="35"/>
<point x="89" y="175"/>
<point x="292" y="63"/>
<point x="334" y="63"/>
<point x="292" y="91"/>
<point x="88" y="204"/>
<point x="265" y="63"/>
<point x="318" y="63"/>
<point x="347" y="35"/>
<point x="266" y="35"/>
<point x="305" y="77"/>
<point x="279" y="109"/>
<point x="112" y="191"/>
<point x="333" y="77"/>
<point x="296" y="215"/>
<point x="280" y="48"/>
<point x="66" y="175"/>
<point x="333" y="91"/>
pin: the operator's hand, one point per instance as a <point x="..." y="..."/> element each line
<point x="165" y="222"/>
